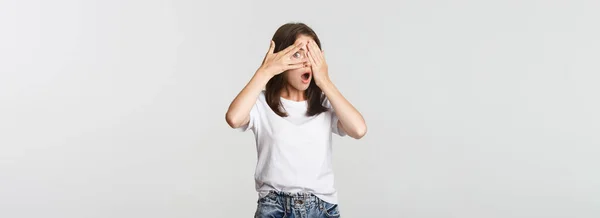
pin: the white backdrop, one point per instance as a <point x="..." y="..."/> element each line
<point x="474" y="108"/>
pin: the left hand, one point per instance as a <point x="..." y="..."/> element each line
<point x="317" y="62"/>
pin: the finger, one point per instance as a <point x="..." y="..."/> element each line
<point x="295" y="61"/>
<point x="287" y="49"/>
<point x="295" y="66"/>
<point x="316" y="52"/>
<point x="293" y="49"/>
<point x="311" y="50"/>
<point x="311" y="59"/>
<point x="271" y="47"/>
<point x="269" y="52"/>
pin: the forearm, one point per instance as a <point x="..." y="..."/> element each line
<point x="351" y="120"/>
<point x="239" y="109"/>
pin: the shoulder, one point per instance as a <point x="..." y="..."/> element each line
<point x="326" y="103"/>
<point x="261" y="97"/>
<point x="261" y="100"/>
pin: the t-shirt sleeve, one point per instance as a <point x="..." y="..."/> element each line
<point x="334" y="120"/>
<point x="334" y="124"/>
<point x="253" y="122"/>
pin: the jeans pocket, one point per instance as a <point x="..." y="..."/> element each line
<point x="269" y="206"/>
<point x="269" y="199"/>
<point x="331" y="210"/>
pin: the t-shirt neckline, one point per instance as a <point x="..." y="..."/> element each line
<point x="292" y="101"/>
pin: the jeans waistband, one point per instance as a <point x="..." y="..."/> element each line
<point x="296" y="196"/>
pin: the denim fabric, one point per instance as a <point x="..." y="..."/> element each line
<point x="294" y="205"/>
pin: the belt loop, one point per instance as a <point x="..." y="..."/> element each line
<point x="287" y="204"/>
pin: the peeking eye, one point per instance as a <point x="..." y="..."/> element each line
<point x="297" y="55"/>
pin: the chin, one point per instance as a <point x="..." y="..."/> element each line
<point x="303" y="87"/>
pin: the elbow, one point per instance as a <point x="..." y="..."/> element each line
<point x="231" y="121"/>
<point x="360" y="132"/>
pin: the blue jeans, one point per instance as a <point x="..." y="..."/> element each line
<point x="294" y="205"/>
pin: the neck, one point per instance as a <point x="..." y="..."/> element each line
<point x="290" y="93"/>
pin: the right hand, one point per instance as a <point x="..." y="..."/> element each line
<point x="276" y="63"/>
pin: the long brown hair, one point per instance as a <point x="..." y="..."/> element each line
<point x="285" y="36"/>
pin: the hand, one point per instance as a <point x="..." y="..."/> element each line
<point x="317" y="62"/>
<point x="276" y="63"/>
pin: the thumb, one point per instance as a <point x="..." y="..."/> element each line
<point x="271" y="47"/>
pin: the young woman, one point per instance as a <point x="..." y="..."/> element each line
<point x="293" y="120"/>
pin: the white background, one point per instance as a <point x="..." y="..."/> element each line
<point x="474" y="108"/>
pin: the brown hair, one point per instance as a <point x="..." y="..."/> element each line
<point x="285" y="36"/>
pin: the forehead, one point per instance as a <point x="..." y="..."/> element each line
<point x="303" y="38"/>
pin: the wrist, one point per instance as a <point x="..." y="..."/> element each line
<point x="265" y="72"/>
<point x="322" y="82"/>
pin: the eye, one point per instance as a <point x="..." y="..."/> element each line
<point x="297" y="55"/>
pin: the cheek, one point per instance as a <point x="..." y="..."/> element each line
<point x="295" y="72"/>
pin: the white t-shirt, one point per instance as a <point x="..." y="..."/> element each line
<point x="294" y="152"/>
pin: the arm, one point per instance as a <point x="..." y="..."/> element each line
<point x="350" y="120"/>
<point x="238" y="113"/>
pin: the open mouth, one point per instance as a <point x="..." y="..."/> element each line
<point x="306" y="77"/>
